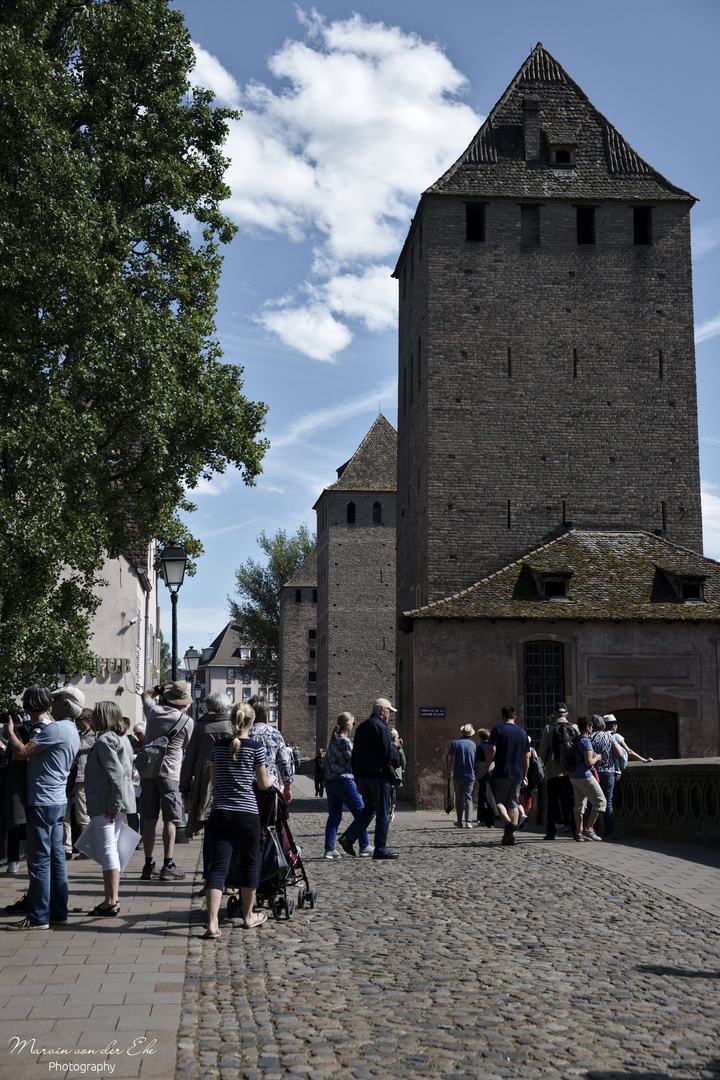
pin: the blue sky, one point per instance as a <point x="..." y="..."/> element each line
<point x="349" y="112"/>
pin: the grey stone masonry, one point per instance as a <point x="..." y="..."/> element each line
<point x="297" y="688"/>
<point x="546" y="355"/>
<point x="356" y="582"/>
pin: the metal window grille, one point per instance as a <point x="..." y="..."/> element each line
<point x="544" y="683"/>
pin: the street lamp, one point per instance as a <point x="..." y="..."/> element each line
<point x="197" y="693"/>
<point x="192" y="659"/>
<point x="174" y="561"/>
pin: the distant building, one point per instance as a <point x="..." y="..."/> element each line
<point x="124" y="634"/>
<point x="356" y="582"/>
<point x="547" y="389"/>
<point x="298" y="657"/>
<point x="219" y="669"/>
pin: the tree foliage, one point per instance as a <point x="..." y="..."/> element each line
<point x="257" y="613"/>
<point x="113" y="392"/>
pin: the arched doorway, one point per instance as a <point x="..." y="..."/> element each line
<point x="649" y="732"/>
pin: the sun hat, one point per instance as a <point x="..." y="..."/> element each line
<point x="178" y="694"/>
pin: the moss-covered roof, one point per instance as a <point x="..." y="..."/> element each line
<point x="612" y="575"/>
<point x="373" y="466"/>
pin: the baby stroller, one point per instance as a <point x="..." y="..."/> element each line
<point x="281" y="867"/>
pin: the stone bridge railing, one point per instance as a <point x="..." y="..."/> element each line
<point x="677" y="799"/>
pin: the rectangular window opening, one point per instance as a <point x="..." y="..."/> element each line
<point x="509" y="520"/>
<point x="509" y="366"/>
<point x="574" y="363"/>
<point x="661" y="365"/>
<point x="475" y="221"/>
<point x="298" y="596"/>
<point x="642" y="224"/>
<point x="585" y="224"/>
<point x="530" y="226"/>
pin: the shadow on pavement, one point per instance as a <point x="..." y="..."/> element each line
<point x="679" y="973"/>
<point x="711" y="1068"/>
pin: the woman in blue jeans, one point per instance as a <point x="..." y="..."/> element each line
<point x="340" y="786"/>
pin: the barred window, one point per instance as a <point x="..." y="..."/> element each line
<point x="544" y="665"/>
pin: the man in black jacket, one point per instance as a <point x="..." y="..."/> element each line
<point x="373" y="761"/>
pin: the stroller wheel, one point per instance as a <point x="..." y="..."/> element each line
<point x="312" y="898"/>
<point x="302" y="896"/>
<point x="234" y="908"/>
<point x="289" y="908"/>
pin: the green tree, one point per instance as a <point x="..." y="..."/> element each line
<point x="113" y="392"/>
<point x="257" y="613"/>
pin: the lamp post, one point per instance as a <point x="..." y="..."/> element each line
<point x="174" y="561"/>
<point x="192" y="659"/>
<point x="197" y="693"/>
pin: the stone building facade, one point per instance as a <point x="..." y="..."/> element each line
<point x="356" y="582"/>
<point x="124" y="633"/>
<point x="546" y="356"/>
<point x="297" y="684"/>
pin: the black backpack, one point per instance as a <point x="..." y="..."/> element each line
<point x="571" y="755"/>
<point x="563" y="737"/>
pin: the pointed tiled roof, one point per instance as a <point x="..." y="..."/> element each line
<point x="606" y="167"/>
<point x="306" y="573"/>
<point x="226" y="646"/>
<point x="373" y="466"/>
<point x="613" y="575"/>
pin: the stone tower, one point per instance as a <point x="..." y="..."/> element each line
<point x="356" y="582"/>
<point x="546" y="357"/>
<point x="297" y="685"/>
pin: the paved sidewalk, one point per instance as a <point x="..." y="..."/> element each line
<point x="96" y="983"/>
<point x="462" y="959"/>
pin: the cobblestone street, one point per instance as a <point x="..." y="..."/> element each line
<point x="465" y="959"/>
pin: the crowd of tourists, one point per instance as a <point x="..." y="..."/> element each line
<point x="63" y="765"/>
<point x="576" y="766"/>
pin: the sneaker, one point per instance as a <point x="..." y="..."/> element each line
<point x="367" y="852"/>
<point x="333" y="855"/>
<point x="458" y="824"/>
<point x="172" y="873"/>
<point x="12" y="868"/>
<point x="591" y="834"/>
<point x="468" y="825"/>
<point x="562" y="827"/>
<point x="18" y="907"/>
<point x="346" y="846"/>
<point x="508" y="839"/>
<point x="522" y="822"/>
<point x="25" y="924"/>
<point x="149" y="871"/>
<point x="579" y="839"/>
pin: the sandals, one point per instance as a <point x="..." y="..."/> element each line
<point x="262" y="917"/>
<point x="207" y="936"/>
<point x="108" y="912"/>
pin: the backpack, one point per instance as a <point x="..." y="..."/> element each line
<point x="563" y="737"/>
<point x="571" y="756"/>
<point x="536" y="773"/>
<point x="149" y="760"/>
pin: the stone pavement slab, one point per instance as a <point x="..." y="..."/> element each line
<point x="93" y="984"/>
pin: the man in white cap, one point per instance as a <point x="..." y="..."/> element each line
<point x="163" y="792"/>
<point x="373" y="761"/>
<point x="49" y="754"/>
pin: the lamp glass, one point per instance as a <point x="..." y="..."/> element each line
<point x="174" y="561"/>
<point x="192" y="659"/>
<point x="198" y="691"/>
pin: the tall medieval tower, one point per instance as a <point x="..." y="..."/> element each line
<point x="356" y="582"/>
<point x="546" y="357"/>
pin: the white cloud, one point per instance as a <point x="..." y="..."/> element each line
<point x="310" y="329"/>
<point x="365" y="118"/>
<point x="708" y="329"/>
<point x="218" y="484"/>
<point x="333" y="415"/>
<point x="210" y="73"/>
<point x="705" y="238"/>
<point x="370" y="296"/>
<point x="711" y="521"/>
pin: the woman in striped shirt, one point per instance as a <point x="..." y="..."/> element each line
<point x="234" y="822"/>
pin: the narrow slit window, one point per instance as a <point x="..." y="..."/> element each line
<point x="351" y="513"/>
<point x="530" y="226"/>
<point x="419" y="367"/>
<point x="585" y="224"/>
<point x="475" y="221"/>
<point x="574" y="363"/>
<point x="642" y="224"/>
<point x="661" y="364"/>
<point x="298" y="596"/>
<point x="377" y="513"/>
<point x="509" y="364"/>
